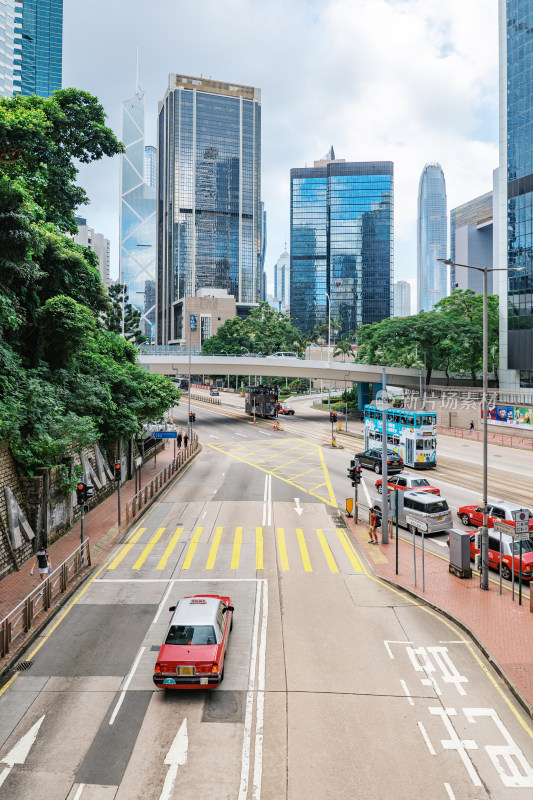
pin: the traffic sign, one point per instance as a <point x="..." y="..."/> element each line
<point x="416" y="522"/>
<point x="503" y="527"/>
<point x="165" y="435"/>
<point x="521" y="518"/>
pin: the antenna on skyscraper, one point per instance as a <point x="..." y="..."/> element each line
<point x="138" y="91"/>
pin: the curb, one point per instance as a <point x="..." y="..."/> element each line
<point x="528" y="708"/>
<point x="6" y="671"/>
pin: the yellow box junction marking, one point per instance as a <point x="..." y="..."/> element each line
<point x="192" y="548"/>
<point x="282" y="549"/>
<point x="327" y="552"/>
<point x="259" y="563"/>
<point x="148" y="549"/>
<point x="303" y="550"/>
<point x="214" y="549"/>
<point x="236" y="555"/>
<point x="170" y="547"/>
<point x="124" y="552"/>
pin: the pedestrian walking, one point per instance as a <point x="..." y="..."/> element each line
<point x="373" y="525"/>
<point x="185" y="439"/>
<point x="180" y="438"/>
<point x="472" y="425"/>
<point x="43" y="563"/>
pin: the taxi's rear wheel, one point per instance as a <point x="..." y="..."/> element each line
<point x="222" y="675"/>
<point x="506" y="572"/>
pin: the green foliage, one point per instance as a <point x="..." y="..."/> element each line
<point x="264" y="330"/>
<point x="120" y="307"/>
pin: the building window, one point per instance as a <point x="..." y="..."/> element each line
<point x="205" y="327"/>
<point x="526" y="379"/>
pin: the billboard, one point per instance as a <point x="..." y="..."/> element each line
<point x="510" y="416"/>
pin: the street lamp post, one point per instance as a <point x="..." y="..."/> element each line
<point x="484" y="541"/>
<point x="329" y="345"/>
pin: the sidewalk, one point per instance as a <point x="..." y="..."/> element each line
<point x="503" y="629"/>
<point x="101" y="528"/>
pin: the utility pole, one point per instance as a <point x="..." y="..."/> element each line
<point x="384" y="471"/>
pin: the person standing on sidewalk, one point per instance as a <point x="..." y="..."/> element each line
<point x="185" y="440"/>
<point x="180" y="438"/>
<point x="373" y="524"/>
<point x="43" y="563"/>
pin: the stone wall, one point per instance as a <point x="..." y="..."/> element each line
<point x="9" y="477"/>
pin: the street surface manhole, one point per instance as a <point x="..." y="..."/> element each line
<point x="221" y="706"/>
<point x="155" y="648"/>
<point x="24" y="665"/>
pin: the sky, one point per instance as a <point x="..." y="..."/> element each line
<point x="408" y="81"/>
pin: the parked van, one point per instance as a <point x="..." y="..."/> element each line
<point x="432" y="510"/>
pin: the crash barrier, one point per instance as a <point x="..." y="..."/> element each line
<point x="204" y="399"/>
<point x="20" y="620"/>
<point x="143" y="497"/>
<point x="518" y="442"/>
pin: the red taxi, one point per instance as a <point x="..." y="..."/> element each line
<point x="285" y="408"/>
<point x="507" y="556"/>
<point x="192" y="655"/>
<point x="407" y="482"/>
<point x="473" y="515"/>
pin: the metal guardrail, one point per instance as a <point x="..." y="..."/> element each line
<point x="505" y="440"/>
<point x="139" y="500"/>
<point x="214" y="400"/>
<point x="20" y="620"/>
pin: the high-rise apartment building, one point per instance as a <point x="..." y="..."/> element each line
<point x="282" y="286"/>
<point x="209" y="214"/>
<point x="42" y="47"/>
<point x="471" y="235"/>
<point x="137" y="259"/>
<point x="96" y="242"/>
<point x="514" y="208"/>
<point x="402" y="299"/>
<point x="431" y="237"/>
<point x="341" y="242"/>
<point x="10" y="47"/>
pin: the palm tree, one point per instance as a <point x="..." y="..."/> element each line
<point x="343" y="347"/>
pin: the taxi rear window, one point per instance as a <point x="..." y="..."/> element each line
<point x="191" y="634"/>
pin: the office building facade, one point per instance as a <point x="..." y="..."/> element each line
<point x="515" y="194"/>
<point x="150" y="166"/>
<point x="10" y="47"/>
<point x="42" y="47"/>
<point x="96" y="242"/>
<point x="471" y="242"/>
<point x="402" y="299"/>
<point x="137" y="259"/>
<point x="209" y="217"/>
<point x="432" y="241"/>
<point x="341" y="242"/>
<point x="282" y="272"/>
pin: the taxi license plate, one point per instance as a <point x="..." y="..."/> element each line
<point x="204" y="681"/>
<point x="185" y="670"/>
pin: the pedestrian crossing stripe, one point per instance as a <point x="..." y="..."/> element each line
<point x="303" y="540"/>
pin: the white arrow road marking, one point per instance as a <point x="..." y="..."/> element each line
<point x="19" y="753"/>
<point x="175" y="758"/>
<point x="298" y="509"/>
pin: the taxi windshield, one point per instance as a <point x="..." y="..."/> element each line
<point x="527" y="546"/>
<point x="191" y="634"/>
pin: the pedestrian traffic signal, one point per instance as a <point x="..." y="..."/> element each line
<point x="192" y="417"/>
<point x="354" y="471"/>
<point x="80" y="493"/>
<point x="118" y="471"/>
<point x="332" y="416"/>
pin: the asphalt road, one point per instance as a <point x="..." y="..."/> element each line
<point x="335" y="685"/>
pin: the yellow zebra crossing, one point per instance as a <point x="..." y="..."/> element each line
<point x="308" y="551"/>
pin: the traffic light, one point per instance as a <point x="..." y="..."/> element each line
<point x="192" y="417"/>
<point x="80" y="493"/>
<point x="354" y="471"/>
<point x="89" y="491"/>
<point x="332" y="416"/>
<point x="118" y="470"/>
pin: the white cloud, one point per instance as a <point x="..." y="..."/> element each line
<point x="409" y="81"/>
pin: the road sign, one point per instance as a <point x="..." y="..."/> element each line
<point x="392" y="501"/>
<point x="349" y="505"/>
<point x="521" y="518"/>
<point x="416" y="522"/>
<point x="522" y="536"/>
<point x="165" y="435"/>
<point x="503" y="527"/>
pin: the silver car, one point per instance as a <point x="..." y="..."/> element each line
<point x="428" y="508"/>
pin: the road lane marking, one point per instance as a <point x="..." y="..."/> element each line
<point x="350" y="551"/>
<point x="170" y="547"/>
<point x="174" y="759"/>
<point x="79" y="791"/>
<point x="260" y="707"/>
<point x="214" y="549"/>
<point x="246" y="742"/>
<point x="327" y="552"/>
<point x="19" y="753"/>
<point x="304" y="551"/>
<point x="368" y="500"/>
<point x="148" y="549"/>
<point x="426" y="739"/>
<point x="449" y="791"/>
<point x="163" y="602"/>
<point x="192" y="548"/>
<point x="240" y="434"/>
<point x="237" y="542"/>
<point x="284" y="561"/>
<point x="214" y="437"/>
<point x="259" y="564"/>
<point x="126" y="549"/>
<point x="126" y="685"/>
<point x="407" y="693"/>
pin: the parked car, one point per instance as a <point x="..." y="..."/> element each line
<point x="408" y="482"/>
<point x="507" y="555"/>
<point x="434" y="511"/>
<point x="502" y="510"/>
<point x="192" y="655"/>
<point x="372" y="460"/>
<point x="285" y="408"/>
<point x="214" y="391"/>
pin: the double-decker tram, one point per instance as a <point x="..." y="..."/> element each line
<point x="411" y="434"/>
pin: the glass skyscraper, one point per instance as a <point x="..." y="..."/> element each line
<point x="42" y="46"/>
<point x="341" y="242"/>
<point x="208" y="213"/>
<point x="138" y="214"/>
<point x="10" y="47"/>
<point x="515" y="193"/>
<point x="431" y="237"/>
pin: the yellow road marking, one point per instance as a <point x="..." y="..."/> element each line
<point x="327" y="552"/>
<point x="148" y="549"/>
<point x="333" y="502"/>
<point x="214" y="549"/>
<point x="170" y="547"/>
<point x="349" y="550"/>
<point x="235" y="557"/>
<point x="259" y="548"/>
<point x="192" y="548"/>
<point x="284" y="561"/>
<point x="127" y="547"/>
<point x="303" y="550"/>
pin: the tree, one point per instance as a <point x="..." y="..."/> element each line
<point x="264" y="330"/>
<point x="343" y="347"/>
<point x="122" y="316"/>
